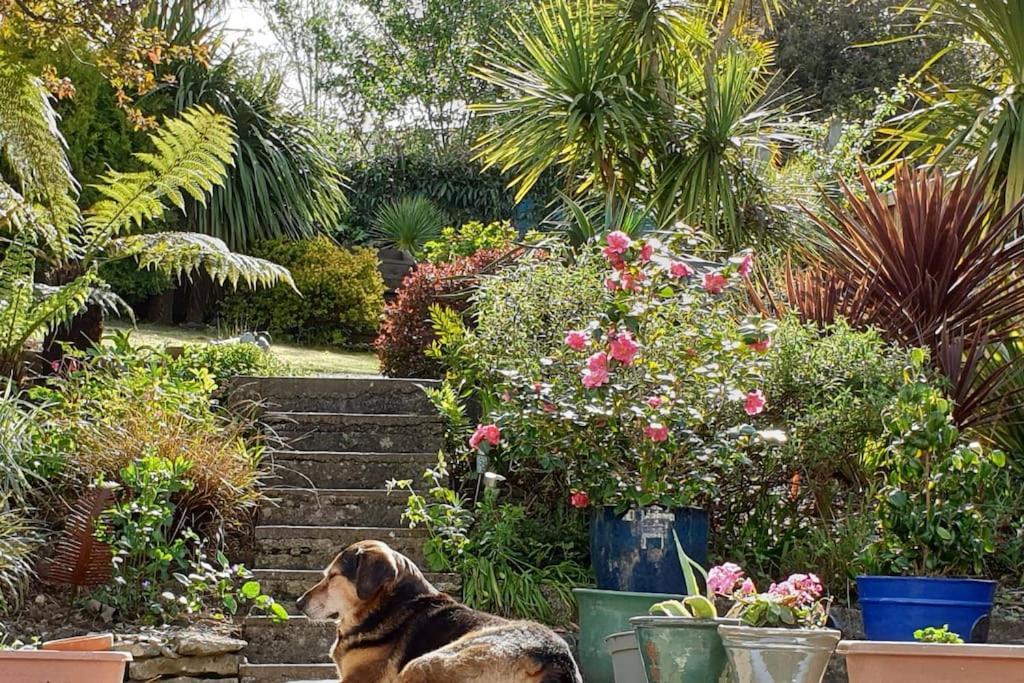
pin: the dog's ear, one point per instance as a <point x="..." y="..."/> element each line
<point x="376" y="568"/>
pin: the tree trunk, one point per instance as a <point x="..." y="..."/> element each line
<point x="81" y="332"/>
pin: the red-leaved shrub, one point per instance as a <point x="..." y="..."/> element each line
<point x="407" y="333"/>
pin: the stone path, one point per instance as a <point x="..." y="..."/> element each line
<point x="343" y="437"/>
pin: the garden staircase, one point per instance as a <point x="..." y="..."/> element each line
<point x="341" y="439"/>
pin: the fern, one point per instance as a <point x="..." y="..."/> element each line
<point x="191" y="157"/>
<point x="182" y="253"/>
<point x="26" y="311"/>
<point x="33" y="150"/>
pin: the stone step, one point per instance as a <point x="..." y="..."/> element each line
<point x="312" y="547"/>
<point x="333" y="507"/>
<point x="288" y="673"/>
<point x="297" y="641"/>
<point x="365" y="433"/>
<point x="285" y="585"/>
<point x="344" y="394"/>
<point x="327" y="469"/>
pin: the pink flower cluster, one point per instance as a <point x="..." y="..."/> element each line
<point x="723" y="579"/>
<point x="803" y="589"/>
<point x="596" y="374"/>
<point x="754" y="403"/>
<point x="622" y="347"/>
<point x="485" y="434"/>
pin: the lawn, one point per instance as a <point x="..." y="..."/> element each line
<point x="301" y="360"/>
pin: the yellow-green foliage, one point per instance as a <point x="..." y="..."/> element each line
<point x="342" y="294"/>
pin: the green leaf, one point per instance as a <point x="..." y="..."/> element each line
<point x="251" y="589"/>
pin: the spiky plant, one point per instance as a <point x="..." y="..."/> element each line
<point x="981" y="121"/>
<point x="408" y="224"/>
<point x="933" y="266"/>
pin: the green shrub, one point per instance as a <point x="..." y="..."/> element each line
<point x="802" y="504"/>
<point x="224" y="361"/>
<point x="342" y="294"/>
<point x="114" y="405"/>
<point x="134" y="284"/>
<point x="468" y="239"/>
<point x="162" y="572"/>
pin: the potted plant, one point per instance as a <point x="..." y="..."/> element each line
<point x="938" y="655"/>
<point x="644" y="407"/>
<point x="938" y="516"/>
<point x="782" y="636"/>
<point x="73" y="660"/>
<point x="679" y="640"/>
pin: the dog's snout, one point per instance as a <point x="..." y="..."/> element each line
<point x="302" y="601"/>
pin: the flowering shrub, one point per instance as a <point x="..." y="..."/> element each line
<point x="796" y="602"/>
<point x="406" y="333"/>
<point x="648" y="400"/>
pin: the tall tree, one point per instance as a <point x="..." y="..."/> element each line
<point x="382" y="65"/>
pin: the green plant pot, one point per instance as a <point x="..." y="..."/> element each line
<point x="777" y="655"/>
<point x="603" y="613"/>
<point x="680" y="649"/>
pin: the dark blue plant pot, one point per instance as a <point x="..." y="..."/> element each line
<point x="634" y="551"/>
<point x="896" y="606"/>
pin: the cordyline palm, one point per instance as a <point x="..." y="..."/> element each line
<point x="39" y="220"/>
<point x="637" y="98"/>
<point x="935" y="267"/>
<point x="982" y="120"/>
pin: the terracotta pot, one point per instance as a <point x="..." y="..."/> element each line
<point x="778" y="655"/>
<point x="94" y="643"/>
<point x="36" y="666"/>
<point x="868" y="661"/>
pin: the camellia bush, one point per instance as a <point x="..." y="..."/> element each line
<point x="647" y="397"/>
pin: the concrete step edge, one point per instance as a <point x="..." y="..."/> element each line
<point x="271" y="531"/>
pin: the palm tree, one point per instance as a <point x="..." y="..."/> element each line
<point x="665" y="100"/>
<point x="284" y="182"/>
<point x="982" y="122"/>
<point x="40" y="221"/>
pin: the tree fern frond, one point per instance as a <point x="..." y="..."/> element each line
<point x="33" y="149"/>
<point x="191" y="158"/>
<point x="27" y="310"/>
<point x="183" y="253"/>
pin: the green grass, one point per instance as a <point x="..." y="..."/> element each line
<point x="300" y="360"/>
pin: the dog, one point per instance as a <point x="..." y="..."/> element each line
<point x="395" y="627"/>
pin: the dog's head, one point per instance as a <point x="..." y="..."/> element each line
<point x="359" y="576"/>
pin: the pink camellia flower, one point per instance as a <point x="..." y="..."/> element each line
<point x="548" y="407"/>
<point x="762" y="345"/>
<point x="55" y="365"/>
<point x="597" y="371"/>
<point x="618" y="242"/>
<point x="579" y="499"/>
<point x="485" y="433"/>
<point x="576" y="340"/>
<point x="678" y="269"/>
<point x="611" y="284"/>
<point x="714" y="283"/>
<point x="747" y="265"/>
<point x="654" y="402"/>
<point x="624" y="348"/>
<point x="646" y="252"/>
<point x="593" y="379"/>
<point x="631" y="282"/>
<point x="614" y="258"/>
<point x="722" y="579"/>
<point x="754" y="403"/>
<point x="656" y="432"/>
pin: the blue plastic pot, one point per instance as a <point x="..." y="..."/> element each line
<point x="634" y="551"/>
<point x="896" y="606"/>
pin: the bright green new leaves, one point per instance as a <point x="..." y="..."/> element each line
<point x="192" y="152"/>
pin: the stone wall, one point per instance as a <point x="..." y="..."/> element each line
<point x="191" y="655"/>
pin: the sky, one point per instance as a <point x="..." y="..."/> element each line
<point x="243" y="21"/>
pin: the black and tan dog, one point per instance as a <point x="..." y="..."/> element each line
<point x="395" y="627"/>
